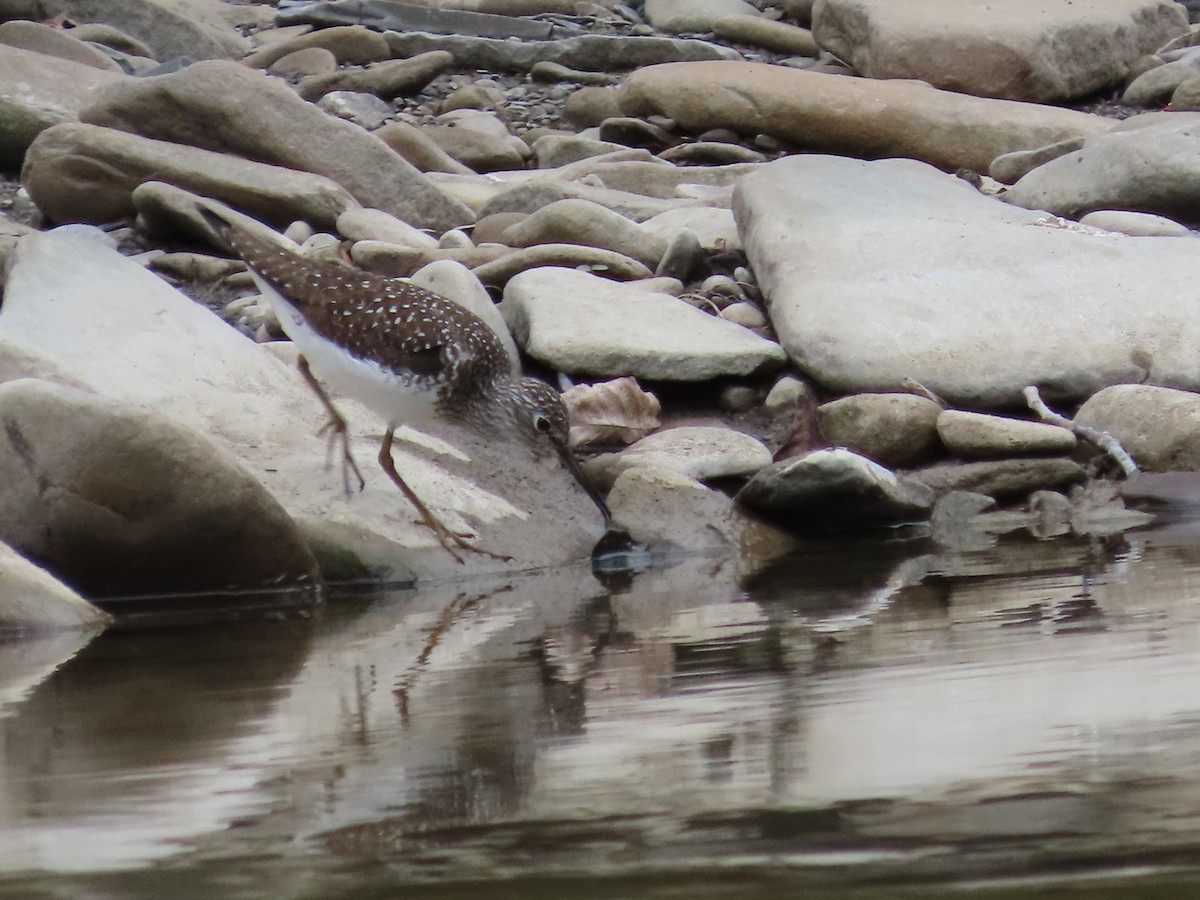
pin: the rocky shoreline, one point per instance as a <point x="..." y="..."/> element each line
<point x="802" y="264"/>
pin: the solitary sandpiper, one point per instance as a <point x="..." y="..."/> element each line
<point x="405" y="352"/>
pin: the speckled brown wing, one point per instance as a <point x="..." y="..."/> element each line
<point x="384" y="320"/>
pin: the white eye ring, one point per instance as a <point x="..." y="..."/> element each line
<point x="541" y="423"/>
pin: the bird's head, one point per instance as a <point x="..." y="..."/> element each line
<point x="541" y="418"/>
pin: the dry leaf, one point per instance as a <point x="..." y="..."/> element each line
<point x="610" y="413"/>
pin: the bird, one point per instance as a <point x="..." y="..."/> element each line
<point x="410" y="355"/>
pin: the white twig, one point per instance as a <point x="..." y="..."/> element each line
<point x="1101" y="439"/>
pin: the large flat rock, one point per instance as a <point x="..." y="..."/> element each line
<point x="885" y="271"/>
<point x="1017" y="49"/>
<point x="860" y="117"/>
<point x="100" y="321"/>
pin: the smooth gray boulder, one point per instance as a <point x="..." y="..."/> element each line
<point x="1018" y="49"/>
<point x="1003" y="479"/>
<point x="834" y="489"/>
<point x="38" y="91"/>
<point x="971" y="435"/>
<point x="117" y="501"/>
<point x="895" y="430"/>
<point x="670" y="512"/>
<point x="1158" y="426"/>
<point x="230" y="108"/>
<point x="85" y="173"/>
<point x="702" y="452"/>
<point x="880" y="272"/>
<point x="824" y="113"/>
<point x="581" y="323"/>
<point x="1147" y="164"/>
<point x="171" y="28"/>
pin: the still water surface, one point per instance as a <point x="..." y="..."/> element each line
<point x="869" y="720"/>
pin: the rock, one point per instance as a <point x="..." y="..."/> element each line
<point x="581" y="323"/>
<point x="401" y="261"/>
<point x="376" y="225"/>
<point x="35" y="10"/>
<point x="304" y="62"/>
<point x="39" y="38"/>
<point x="834" y="489"/>
<point x="97" y="33"/>
<point x="10" y="234"/>
<point x="118" y="501"/>
<point x="83" y="173"/>
<point x="31" y="599"/>
<point x="590" y="106"/>
<point x="714" y="228"/>
<point x="387" y="15"/>
<point x="669" y="512"/>
<point x="1156" y="86"/>
<point x="1134" y="224"/>
<point x="491" y="229"/>
<point x="1158" y="426"/>
<point x="38" y="91"/>
<point x="419" y="149"/>
<point x="171" y="28"/>
<point x="1003" y="478"/>
<point x="823" y="113"/>
<point x="1018" y="50"/>
<point x="476" y="150"/>
<point x="107" y="324"/>
<point x="553" y="150"/>
<point x="552" y="72"/>
<point x="1154" y="168"/>
<point x="532" y="194"/>
<point x="684" y="258"/>
<point x="454" y="281"/>
<point x="229" y="108"/>
<point x="588" y="224"/>
<point x="394" y="78"/>
<point x="350" y="45"/>
<point x="813" y="225"/>
<point x="1187" y="96"/>
<point x="972" y="435"/>
<point x="699" y="452"/>
<point x="1009" y="168"/>
<point x="364" y="110"/>
<point x="589" y="52"/>
<point x="617" y="266"/>
<point x="693" y="16"/>
<point x="707" y="153"/>
<point x="633" y="132"/>
<point x="195" y="266"/>
<point x="757" y="31"/>
<point x="895" y="430"/>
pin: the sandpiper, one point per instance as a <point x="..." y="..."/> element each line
<point x="406" y="353"/>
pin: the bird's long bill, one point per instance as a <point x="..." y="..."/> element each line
<point x="572" y="464"/>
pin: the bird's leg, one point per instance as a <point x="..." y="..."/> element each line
<point x="449" y="539"/>
<point x="336" y="426"/>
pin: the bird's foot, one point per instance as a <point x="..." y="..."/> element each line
<point x="456" y="539"/>
<point x="336" y="427"/>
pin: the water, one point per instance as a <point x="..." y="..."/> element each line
<point x="870" y="720"/>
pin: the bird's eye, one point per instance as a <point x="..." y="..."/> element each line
<point x="541" y="423"/>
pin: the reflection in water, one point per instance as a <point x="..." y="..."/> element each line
<point x="860" y="714"/>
